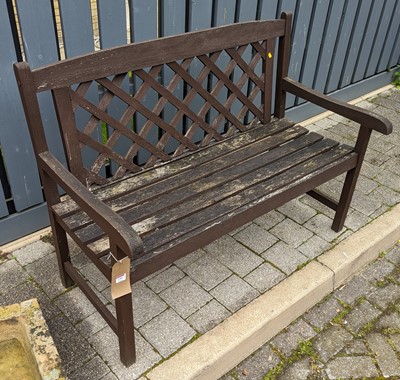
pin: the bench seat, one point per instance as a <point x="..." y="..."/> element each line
<point x="184" y="204"/>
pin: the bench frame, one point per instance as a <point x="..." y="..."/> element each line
<point x="79" y="181"/>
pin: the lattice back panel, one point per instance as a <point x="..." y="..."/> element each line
<point x="154" y="114"/>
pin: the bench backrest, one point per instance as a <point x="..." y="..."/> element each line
<point x="127" y="108"/>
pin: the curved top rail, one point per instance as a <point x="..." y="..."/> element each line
<point x="135" y="56"/>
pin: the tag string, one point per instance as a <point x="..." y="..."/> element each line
<point x="110" y="254"/>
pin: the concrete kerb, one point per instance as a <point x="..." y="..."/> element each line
<point x="225" y="346"/>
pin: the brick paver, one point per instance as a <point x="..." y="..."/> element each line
<point x="354" y="332"/>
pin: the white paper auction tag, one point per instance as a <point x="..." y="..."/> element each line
<point x="120" y="278"/>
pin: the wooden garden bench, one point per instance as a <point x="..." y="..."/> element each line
<point x="172" y="143"/>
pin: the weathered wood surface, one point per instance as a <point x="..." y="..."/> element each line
<point x="192" y="192"/>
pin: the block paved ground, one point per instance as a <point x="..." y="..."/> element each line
<point x="354" y="333"/>
<point x="190" y="297"/>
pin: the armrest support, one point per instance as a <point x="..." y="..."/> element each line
<point x="357" y="114"/>
<point x="118" y="230"/>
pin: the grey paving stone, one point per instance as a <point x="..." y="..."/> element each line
<point x="380" y="145"/>
<point x="331" y="341"/>
<point x="361" y="315"/>
<point x="11" y="274"/>
<point x="354" y="289"/>
<point x="256" y="238"/>
<point x="366" y="185"/>
<point x="389" y="321"/>
<point x="264" y="277"/>
<point x="395" y="340"/>
<point x="105" y="342"/>
<point x="269" y="220"/>
<point x="389" y="179"/>
<point x="165" y="279"/>
<point x="285" y="257"/>
<point x="314" y="247"/>
<point x="185" y="297"/>
<point x="394" y="255"/>
<point x="257" y="365"/>
<point x="288" y="340"/>
<point x="240" y="228"/>
<point x="384" y="101"/>
<point x="234" y="255"/>
<point x="92" y="274"/>
<point x="332" y="188"/>
<point x="386" y="196"/>
<point x="53" y="288"/>
<point x="94" y="369"/>
<point x="351" y="367"/>
<point x="321" y="225"/>
<point x="44" y="270"/>
<point x="80" y="260"/>
<point x="370" y="170"/>
<point x="328" y="121"/>
<point x="291" y="233"/>
<point x="74" y="249"/>
<point x="167" y="332"/>
<point x="208" y="272"/>
<point x="297" y="211"/>
<point x="394" y="163"/>
<point x="208" y="316"/>
<point x="379" y="211"/>
<point x="387" y="360"/>
<point x="322" y="313"/>
<point x="234" y="293"/>
<point x="91" y="325"/>
<point x="74" y="350"/>
<point x="75" y="305"/>
<point x="318" y="206"/>
<point x="183" y="262"/>
<point x="366" y="204"/>
<point x="383" y="297"/>
<point x="356" y="347"/>
<point x="109" y="376"/>
<point x="25" y="291"/>
<point x="299" y="370"/>
<point x="32" y="252"/>
<point x="378" y="270"/>
<point x="376" y="158"/>
<point x="355" y="220"/>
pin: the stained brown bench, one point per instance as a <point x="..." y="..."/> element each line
<point x="156" y="168"/>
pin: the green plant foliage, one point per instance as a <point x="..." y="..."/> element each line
<point x="396" y="77"/>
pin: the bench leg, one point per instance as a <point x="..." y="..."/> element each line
<point x="351" y="181"/>
<point x="345" y="199"/>
<point x="62" y="252"/>
<point x="125" y="332"/>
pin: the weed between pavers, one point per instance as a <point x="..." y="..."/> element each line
<point x="339" y="318"/>
<point x="304" y="349"/>
<point x="48" y="239"/>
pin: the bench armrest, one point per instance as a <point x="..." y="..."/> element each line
<point x="357" y="114"/>
<point x="117" y="229"/>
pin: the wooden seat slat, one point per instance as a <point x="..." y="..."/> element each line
<point x="282" y="169"/>
<point x="238" y="170"/>
<point x="123" y="186"/>
<point x="182" y="179"/>
<point x="198" y="226"/>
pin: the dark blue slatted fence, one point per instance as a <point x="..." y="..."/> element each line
<point x="341" y="47"/>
